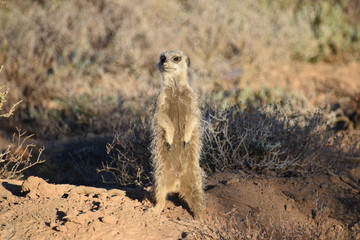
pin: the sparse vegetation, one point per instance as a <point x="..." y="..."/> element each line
<point x="14" y="160"/>
<point x="257" y="138"/>
<point x="19" y="157"/>
<point x="3" y="94"/>
<point x="88" y="51"/>
<point x="130" y="155"/>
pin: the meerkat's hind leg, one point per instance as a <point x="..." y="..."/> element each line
<point x="160" y="198"/>
<point x="196" y="204"/>
<point x="194" y="197"/>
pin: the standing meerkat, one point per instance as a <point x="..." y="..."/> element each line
<point x="176" y="144"/>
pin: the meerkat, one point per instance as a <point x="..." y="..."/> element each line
<point x="176" y="143"/>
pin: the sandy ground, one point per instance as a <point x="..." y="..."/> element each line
<point x="324" y="206"/>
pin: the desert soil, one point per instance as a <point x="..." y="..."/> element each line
<point x="322" y="205"/>
<point x="325" y="206"/>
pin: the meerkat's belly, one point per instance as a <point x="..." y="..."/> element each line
<point x="178" y="111"/>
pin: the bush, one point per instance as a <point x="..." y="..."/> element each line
<point x="16" y="158"/>
<point x="267" y="138"/>
<point x="3" y="94"/>
<point x="256" y="138"/>
<point x="130" y="156"/>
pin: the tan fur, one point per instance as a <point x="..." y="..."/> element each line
<point x="176" y="142"/>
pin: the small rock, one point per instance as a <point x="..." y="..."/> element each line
<point x="103" y="197"/>
<point x="81" y="218"/>
<point x="109" y="219"/>
<point x="61" y="228"/>
<point x="288" y="207"/>
<point x="36" y="187"/>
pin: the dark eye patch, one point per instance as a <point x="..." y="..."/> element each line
<point x="177" y="59"/>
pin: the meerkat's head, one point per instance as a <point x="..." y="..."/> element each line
<point x="173" y="63"/>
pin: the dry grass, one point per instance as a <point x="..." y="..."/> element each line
<point x="3" y="95"/>
<point x="18" y="157"/>
<point x="255" y="138"/>
<point x="273" y="137"/>
<point x="86" y="55"/>
<point x="130" y="156"/>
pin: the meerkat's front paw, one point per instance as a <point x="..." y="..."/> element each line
<point x="186" y="139"/>
<point x="169" y="139"/>
<point x="168" y="145"/>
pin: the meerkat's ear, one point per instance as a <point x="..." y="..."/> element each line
<point x="188" y="61"/>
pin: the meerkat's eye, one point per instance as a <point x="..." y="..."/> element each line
<point x="177" y="59"/>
